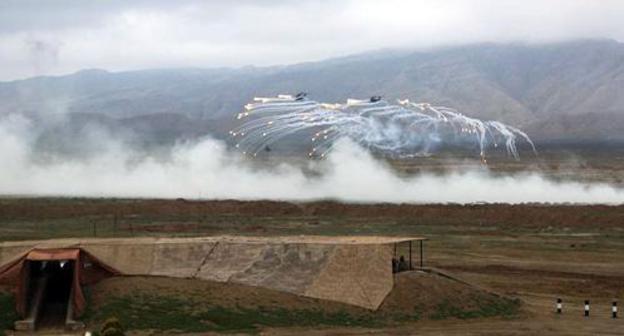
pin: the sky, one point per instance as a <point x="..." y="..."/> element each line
<point x="48" y="37"/>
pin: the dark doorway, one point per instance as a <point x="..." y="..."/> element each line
<point x="57" y="275"/>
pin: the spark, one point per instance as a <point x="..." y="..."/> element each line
<point x="405" y="129"/>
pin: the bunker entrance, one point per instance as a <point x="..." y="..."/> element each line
<point x="407" y="255"/>
<point x="56" y="279"/>
<point x="48" y="286"/>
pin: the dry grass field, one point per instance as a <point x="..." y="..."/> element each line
<point x="532" y="253"/>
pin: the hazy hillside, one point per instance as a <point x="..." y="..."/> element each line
<point x="565" y="91"/>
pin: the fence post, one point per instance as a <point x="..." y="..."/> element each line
<point x="586" y="308"/>
<point x="410" y="256"/>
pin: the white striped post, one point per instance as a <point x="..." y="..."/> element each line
<point x="614" y="309"/>
<point x="586" y="308"/>
<point x="559" y="306"/>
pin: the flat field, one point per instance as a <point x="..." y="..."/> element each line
<point x="533" y="253"/>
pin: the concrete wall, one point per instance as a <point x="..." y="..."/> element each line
<point x="356" y="272"/>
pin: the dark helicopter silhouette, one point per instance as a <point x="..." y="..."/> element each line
<point x="300" y="96"/>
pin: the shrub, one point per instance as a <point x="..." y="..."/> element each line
<point x="111" y="332"/>
<point x="111" y="327"/>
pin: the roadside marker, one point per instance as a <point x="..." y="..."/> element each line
<point x="559" y="306"/>
<point x="586" y="308"/>
<point x="614" y="309"/>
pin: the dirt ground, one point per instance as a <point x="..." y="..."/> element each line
<point x="535" y="253"/>
<point x="40" y="218"/>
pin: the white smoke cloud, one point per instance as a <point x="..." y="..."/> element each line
<point x="208" y="170"/>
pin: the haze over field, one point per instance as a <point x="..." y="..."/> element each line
<point x="138" y="99"/>
<point x="208" y="170"/>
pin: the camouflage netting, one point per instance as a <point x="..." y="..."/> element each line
<point x="356" y="271"/>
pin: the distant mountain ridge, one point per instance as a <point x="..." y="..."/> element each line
<point x="556" y="92"/>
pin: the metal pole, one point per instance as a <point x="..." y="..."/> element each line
<point x="421" y="254"/>
<point x="394" y="262"/>
<point x="410" y="255"/>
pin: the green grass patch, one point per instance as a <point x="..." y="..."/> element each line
<point x="182" y="315"/>
<point x="7" y="312"/>
<point x="486" y="307"/>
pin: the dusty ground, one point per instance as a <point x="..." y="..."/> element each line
<point x="533" y="252"/>
<point x="39" y="218"/>
<point x="589" y="164"/>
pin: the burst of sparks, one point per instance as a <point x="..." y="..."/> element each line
<point x="404" y="129"/>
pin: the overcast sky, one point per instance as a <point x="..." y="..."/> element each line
<point x="48" y="37"/>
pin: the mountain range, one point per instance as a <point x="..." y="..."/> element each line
<point x="559" y="92"/>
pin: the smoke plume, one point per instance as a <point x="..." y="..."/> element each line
<point x="207" y="169"/>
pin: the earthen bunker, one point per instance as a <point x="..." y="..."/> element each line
<point x="352" y="270"/>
